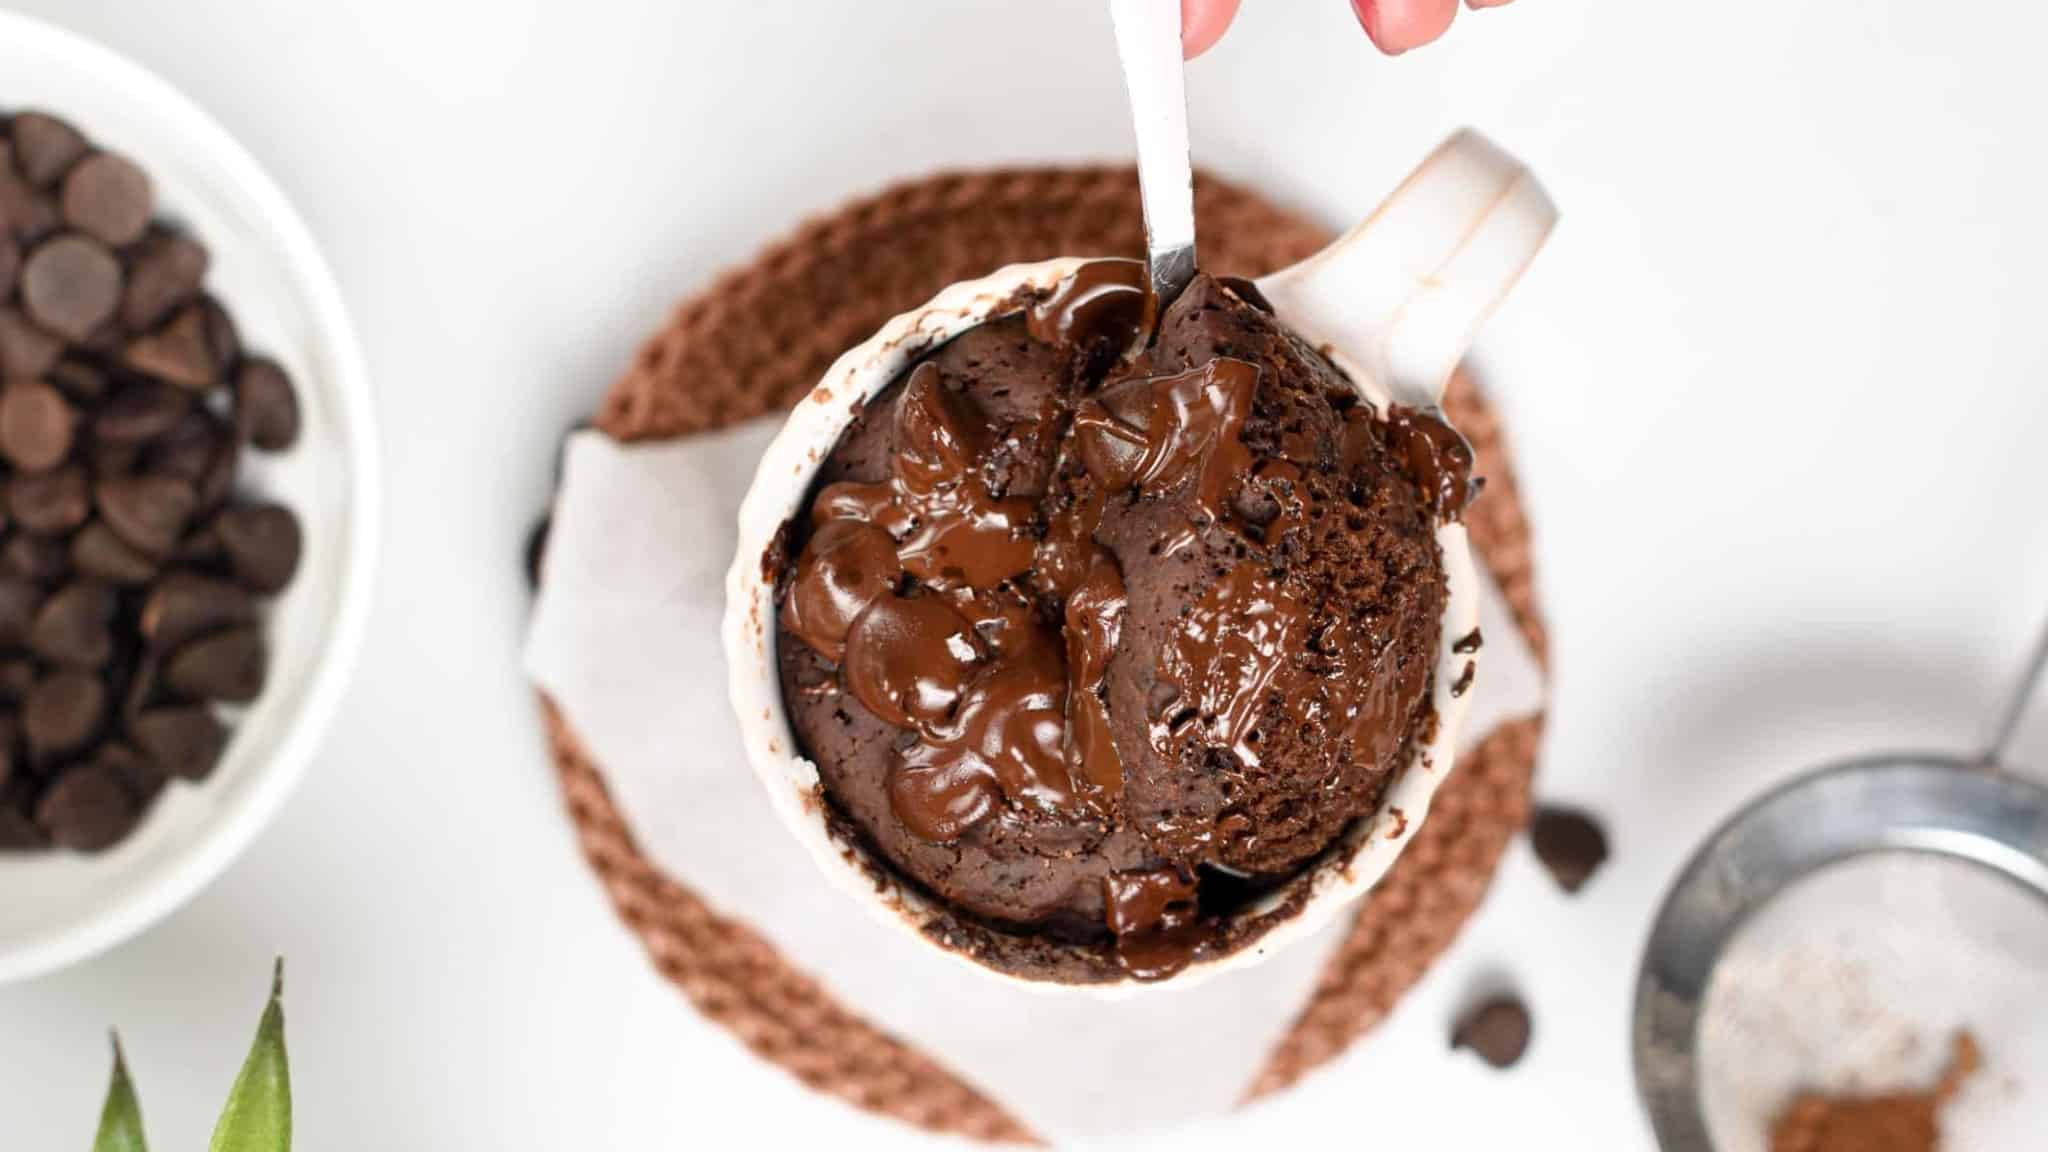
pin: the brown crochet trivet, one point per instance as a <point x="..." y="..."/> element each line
<point x="754" y="342"/>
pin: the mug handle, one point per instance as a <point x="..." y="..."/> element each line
<point x="1403" y="294"/>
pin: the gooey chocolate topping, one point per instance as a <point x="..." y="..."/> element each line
<point x="1103" y="621"/>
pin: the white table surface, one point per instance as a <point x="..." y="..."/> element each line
<point x="1780" y="391"/>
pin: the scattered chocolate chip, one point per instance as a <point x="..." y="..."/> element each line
<point x="99" y="552"/>
<point x="1570" y="843"/>
<point x="163" y="279"/>
<point x="87" y="809"/>
<point x="50" y="502"/>
<point x="108" y="198"/>
<point x="44" y="147"/>
<point x="36" y="425"/>
<point x="266" y="408"/>
<point x="149" y="512"/>
<point x="227" y="666"/>
<point x="71" y="285"/>
<point x="1497" y="1030"/>
<point x="74" y="627"/>
<point x="262" y="543"/>
<point x="31" y="557"/>
<point x="62" y="713"/>
<point x="184" y="742"/>
<point x="10" y="263"/>
<point x="177" y="352"/>
<point x="184" y="605"/>
<point x="26" y="351"/>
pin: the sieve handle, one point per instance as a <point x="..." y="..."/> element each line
<point x="2016" y="707"/>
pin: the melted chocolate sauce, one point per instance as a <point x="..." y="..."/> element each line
<point x="966" y="601"/>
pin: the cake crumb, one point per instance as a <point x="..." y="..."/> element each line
<point x="1891" y="1122"/>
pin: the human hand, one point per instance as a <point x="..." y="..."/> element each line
<point x="1394" y="25"/>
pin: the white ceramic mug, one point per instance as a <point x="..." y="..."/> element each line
<point x="1394" y="303"/>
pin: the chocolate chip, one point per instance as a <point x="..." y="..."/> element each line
<point x="128" y="583"/>
<point x="1570" y="843"/>
<point x="226" y="666"/>
<point x="108" y="198"/>
<point x="25" y="350"/>
<point x="36" y="425"/>
<point x="44" y="146"/>
<point x="163" y="279"/>
<point x="221" y="335"/>
<point x="50" y="502"/>
<point x="187" y="450"/>
<point x="140" y="692"/>
<point x="184" y="605"/>
<point x="74" y="627"/>
<point x="17" y="676"/>
<point x="149" y="512"/>
<point x="266" y="408"/>
<point x="19" y="832"/>
<point x="27" y="214"/>
<point x="71" y="285"/>
<point x="42" y="559"/>
<point x="87" y="809"/>
<point x="140" y="410"/>
<point x="218" y="482"/>
<point x="262" y="543"/>
<point x="1497" y="1030"/>
<point x="184" y="742"/>
<point x="19" y="600"/>
<point x="177" y="352"/>
<point x="80" y="381"/>
<point x="63" y="713"/>
<point x="141" y="777"/>
<point x="100" y="553"/>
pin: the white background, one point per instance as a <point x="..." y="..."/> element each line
<point x="1780" y="390"/>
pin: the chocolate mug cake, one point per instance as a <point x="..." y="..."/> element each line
<point x="1103" y="624"/>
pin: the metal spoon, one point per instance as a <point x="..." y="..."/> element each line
<point x="1965" y="807"/>
<point x="1148" y="42"/>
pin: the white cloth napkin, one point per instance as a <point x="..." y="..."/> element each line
<point x="625" y="639"/>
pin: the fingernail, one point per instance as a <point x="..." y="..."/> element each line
<point x="1368" y="13"/>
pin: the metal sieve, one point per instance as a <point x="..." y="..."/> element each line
<point x="1846" y="835"/>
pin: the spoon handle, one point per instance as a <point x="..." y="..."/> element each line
<point x="2016" y="706"/>
<point x="1148" y="42"/>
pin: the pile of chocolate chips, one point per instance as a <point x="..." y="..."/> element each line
<point x="129" y="575"/>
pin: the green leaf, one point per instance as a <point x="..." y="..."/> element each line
<point x="121" y="1115"/>
<point x="258" y="1117"/>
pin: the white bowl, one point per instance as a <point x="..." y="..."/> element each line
<point x="56" y="909"/>
<point x="1393" y="303"/>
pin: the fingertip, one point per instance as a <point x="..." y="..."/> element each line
<point x="1397" y="26"/>
<point x="1476" y="5"/>
<point x="1202" y="24"/>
